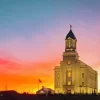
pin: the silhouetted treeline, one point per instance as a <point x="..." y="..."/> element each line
<point x="13" y="95"/>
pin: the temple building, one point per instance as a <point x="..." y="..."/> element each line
<point x="73" y="75"/>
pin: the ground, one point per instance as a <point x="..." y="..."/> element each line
<point x="15" y="96"/>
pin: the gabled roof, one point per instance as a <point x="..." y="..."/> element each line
<point x="44" y="91"/>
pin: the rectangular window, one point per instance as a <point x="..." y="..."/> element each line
<point x="69" y="44"/>
<point x="69" y="82"/>
<point x="69" y="74"/>
<point x="82" y="75"/>
<point x="82" y="83"/>
<point x="58" y="84"/>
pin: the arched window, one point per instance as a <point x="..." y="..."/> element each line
<point x="69" y="62"/>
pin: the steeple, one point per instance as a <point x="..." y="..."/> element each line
<point x="70" y="27"/>
<point x="70" y="41"/>
<point x="70" y="34"/>
<point x="70" y="46"/>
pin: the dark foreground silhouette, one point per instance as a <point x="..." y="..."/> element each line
<point x="13" y="95"/>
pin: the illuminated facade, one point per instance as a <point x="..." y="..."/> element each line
<point x="73" y="75"/>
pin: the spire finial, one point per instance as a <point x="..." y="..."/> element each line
<point x="70" y="27"/>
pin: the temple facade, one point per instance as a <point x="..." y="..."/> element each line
<point x="73" y="75"/>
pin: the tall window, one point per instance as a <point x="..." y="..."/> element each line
<point x="69" y="74"/>
<point x="73" y="44"/>
<point x="69" y="44"/>
<point x="58" y="84"/>
<point x="82" y="83"/>
<point x="69" y="82"/>
<point x="82" y="75"/>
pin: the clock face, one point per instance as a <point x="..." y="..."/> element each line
<point x="69" y="62"/>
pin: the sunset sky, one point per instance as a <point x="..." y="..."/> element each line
<point x="32" y="34"/>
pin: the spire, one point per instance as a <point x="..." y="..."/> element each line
<point x="70" y="27"/>
<point x="70" y="34"/>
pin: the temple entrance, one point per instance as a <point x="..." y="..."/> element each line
<point x="68" y="91"/>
